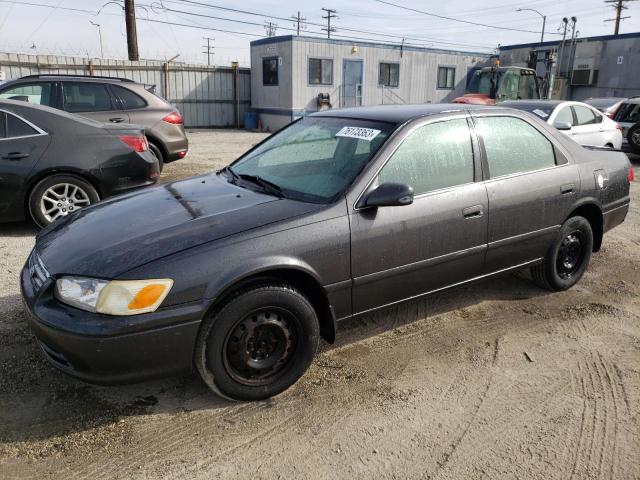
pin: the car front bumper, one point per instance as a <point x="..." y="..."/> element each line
<point x="110" y="350"/>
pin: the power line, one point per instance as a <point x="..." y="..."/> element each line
<point x="330" y="14"/>
<point x="443" y="17"/>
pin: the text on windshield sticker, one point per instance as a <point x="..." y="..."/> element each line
<point x="367" y="134"/>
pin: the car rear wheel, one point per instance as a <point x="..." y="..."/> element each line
<point x="567" y="258"/>
<point x="634" y="138"/>
<point x="258" y="343"/>
<point x="157" y="152"/>
<point x="59" y="195"/>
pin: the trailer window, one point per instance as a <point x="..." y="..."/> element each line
<point x="446" y="78"/>
<point x="320" y="71"/>
<point x="270" y="71"/>
<point x="389" y="74"/>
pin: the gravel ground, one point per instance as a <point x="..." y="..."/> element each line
<point x="492" y="380"/>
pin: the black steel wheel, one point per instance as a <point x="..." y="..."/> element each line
<point x="567" y="258"/>
<point x="258" y="343"/>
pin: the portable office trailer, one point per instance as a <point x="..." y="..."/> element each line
<point x="288" y="73"/>
<point x="604" y="66"/>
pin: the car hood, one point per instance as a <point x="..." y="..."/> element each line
<point x="124" y="232"/>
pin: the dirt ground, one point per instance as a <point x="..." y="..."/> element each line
<point x="498" y="379"/>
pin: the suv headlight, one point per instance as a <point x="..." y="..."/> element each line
<point x="115" y="297"/>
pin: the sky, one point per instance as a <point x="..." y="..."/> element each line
<point x="64" y="27"/>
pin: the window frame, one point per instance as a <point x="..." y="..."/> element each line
<point x="39" y="131"/>
<point x="311" y="84"/>
<point x="396" y="139"/>
<point x="55" y="101"/>
<point x="277" y="59"/>
<point x="574" y="108"/>
<point x="447" y="67"/>
<point x="561" y="156"/>
<point x="114" y="102"/>
<point x="380" y="84"/>
<point x="113" y="89"/>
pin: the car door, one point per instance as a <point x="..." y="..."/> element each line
<point x="21" y="146"/>
<point x="586" y="130"/>
<point x="440" y="239"/>
<point x="531" y="187"/>
<point x="92" y="100"/>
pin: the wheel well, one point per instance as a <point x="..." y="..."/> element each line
<point x="159" y="145"/>
<point x="300" y="280"/>
<point x="35" y="181"/>
<point x="594" y="216"/>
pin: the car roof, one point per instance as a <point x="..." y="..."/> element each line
<point x="525" y="104"/>
<point x="61" y="76"/>
<point x="399" y="113"/>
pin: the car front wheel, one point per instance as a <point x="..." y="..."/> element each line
<point x="567" y="258"/>
<point x="634" y="138"/>
<point x="258" y="343"/>
<point x="59" y="195"/>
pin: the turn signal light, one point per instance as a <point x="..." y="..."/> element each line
<point x="137" y="143"/>
<point x="631" y="176"/>
<point x="174" y="118"/>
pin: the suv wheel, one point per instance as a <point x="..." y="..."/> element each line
<point x="634" y="138"/>
<point x="157" y="152"/>
<point x="259" y="343"/>
<point x="567" y="258"/>
<point x="59" y="195"/>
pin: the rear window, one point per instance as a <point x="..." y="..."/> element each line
<point x="628" y="113"/>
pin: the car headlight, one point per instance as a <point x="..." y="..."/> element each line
<point x="115" y="297"/>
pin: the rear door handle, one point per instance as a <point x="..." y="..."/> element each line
<point x="15" y="156"/>
<point x="474" y="211"/>
<point x="568" y="188"/>
<point x="117" y="119"/>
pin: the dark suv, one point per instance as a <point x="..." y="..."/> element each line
<point x="108" y="99"/>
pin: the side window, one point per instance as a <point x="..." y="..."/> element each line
<point x="3" y="125"/>
<point x="320" y="71"/>
<point x="584" y="115"/>
<point x="86" y="97"/>
<point x="270" y="71"/>
<point x="527" y="87"/>
<point x="17" y="128"/>
<point x="510" y="85"/>
<point x="37" y="93"/>
<point x="438" y="155"/>
<point x="565" y="115"/>
<point x="389" y="74"/>
<point x="513" y="146"/>
<point x="446" y="78"/>
<point x="129" y="99"/>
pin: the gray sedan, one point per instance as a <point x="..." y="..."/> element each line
<point x="341" y="213"/>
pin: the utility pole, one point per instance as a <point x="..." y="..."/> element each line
<point x="209" y="48"/>
<point x="565" y="22"/>
<point x="132" y="36"/>
<point x="544" y="20"/>
<point x="298" y="22"/>
<point x="270" y="28"/>
<point x="619" y="5"/>
<point x="99" y="35"/>
<point x="574" y="39"/>
<point x="330" y="14"/>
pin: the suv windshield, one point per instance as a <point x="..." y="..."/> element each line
<point x="314" y="159"/>
<point x="485" y="82"/>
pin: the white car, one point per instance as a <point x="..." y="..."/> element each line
<point x="582" y="122"/>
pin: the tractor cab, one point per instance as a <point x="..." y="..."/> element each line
<point x="490" y="85"/>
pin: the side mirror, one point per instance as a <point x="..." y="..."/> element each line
<point x="562" y="125"/>
<point x="388" y="195"/>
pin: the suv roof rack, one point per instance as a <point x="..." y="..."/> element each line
<point x="40" y="75"/>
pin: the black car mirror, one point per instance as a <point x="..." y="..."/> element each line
<point x="562" y="125"/>
<point x="389" y="195"/>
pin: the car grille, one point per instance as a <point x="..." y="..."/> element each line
<point x="37" y="271"/>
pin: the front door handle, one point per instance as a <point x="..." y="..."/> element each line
<point x="568" y="188"/>
<point x="474" y="211"/>
<point x="15" y="156"/>
<point x="116" y="119"/>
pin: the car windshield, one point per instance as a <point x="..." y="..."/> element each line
<point x="314" y="159"/>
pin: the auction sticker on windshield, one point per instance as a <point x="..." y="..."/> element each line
<point x="367" y="134"/>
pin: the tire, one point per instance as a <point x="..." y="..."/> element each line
<point x="633" y="137"/>
<point x="567" y="258"/>
<point x="59" y="195"/>
<point x="157" y="152"/>
<point x="276" y="328"/>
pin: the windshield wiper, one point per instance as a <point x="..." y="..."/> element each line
<point x="265" y="184"/>
<point x="234" y="175"/>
